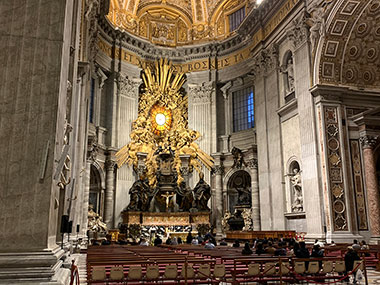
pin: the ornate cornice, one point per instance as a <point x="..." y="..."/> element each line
<point x="369" y="141"/>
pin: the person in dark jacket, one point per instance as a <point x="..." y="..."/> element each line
<point x="247" y="249"/>
<point x="260" y="249"/>
<point x="236" y="243"/>
<point x="189" y="238"/>
<point x="157" y="241"/>
<point x="349" y="260"/>
<point x="302" y="252"/>
<point x="280" y="251"/>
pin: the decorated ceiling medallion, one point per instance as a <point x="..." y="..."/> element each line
<point x="161" y="118"/>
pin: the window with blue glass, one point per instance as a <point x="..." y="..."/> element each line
<point x="243" y="109"/>
<point x="236" y="18"/>
<point x="92" y="99"/>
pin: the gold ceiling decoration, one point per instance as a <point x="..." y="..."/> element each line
<point x="176" y="22"/>
<point x="162" y="124"/>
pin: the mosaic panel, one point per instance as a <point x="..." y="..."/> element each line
<point x="358" y="186"/>
<point x="334" y="154"/>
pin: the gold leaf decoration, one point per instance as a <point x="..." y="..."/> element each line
<point x="162" y="124"/>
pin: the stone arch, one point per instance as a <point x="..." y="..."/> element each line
<point x="350" y="49"/>
<point x="97" y="186"/>
<point x="239" y="192"/>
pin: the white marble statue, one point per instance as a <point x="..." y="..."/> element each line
<point x="295" y="179"/>
<point x="225" y="225"/>
<point x="290" y="75"/>
<point x="95" y="222"/>
<point x="247" y="217"/>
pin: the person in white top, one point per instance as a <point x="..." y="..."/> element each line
<point x="194" y="241"/>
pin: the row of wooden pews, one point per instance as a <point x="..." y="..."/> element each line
<point x="193" y="264"/>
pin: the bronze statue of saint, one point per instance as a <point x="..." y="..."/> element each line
<point x="139" y="196"/>
<point x="184" y="197"/>
<point x="202" y="193"/>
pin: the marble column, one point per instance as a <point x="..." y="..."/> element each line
<point x="109" y="195"/>
<point x="253" y="166"/>
<point x="219" y="169"/>
<point x="86" y="194"/>
<point x="368" y="143"/>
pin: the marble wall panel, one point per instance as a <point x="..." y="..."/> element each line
<point x="33" y="107"/>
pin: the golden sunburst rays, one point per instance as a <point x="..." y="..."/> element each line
<point x="163" y="122"/>
<point x="162" y="77"/>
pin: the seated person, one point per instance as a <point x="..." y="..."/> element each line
<point x="317" y="251"/>
<point x="302" y="252"/>
<point x="281" y="250"/>
<point x="174" y="241"/>
<point x="260" y="248"/>
<point x="247" y="249"/>
<point x="209" y="245"/>
<point x="223" y="242"/>
<point x="356" y="246"/>
<point x="270" y="249"/>
<point x="236" y="243"/>
<point x="318" y="242"/>
<point x="194" y="241"/>
<point x="189" y="238"/>
<point x="144" y="242"/>
<point x="168" y="241"/>
<point x="157" y="241"/>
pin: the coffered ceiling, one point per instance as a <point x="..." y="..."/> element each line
<point x="177" y="22"/>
